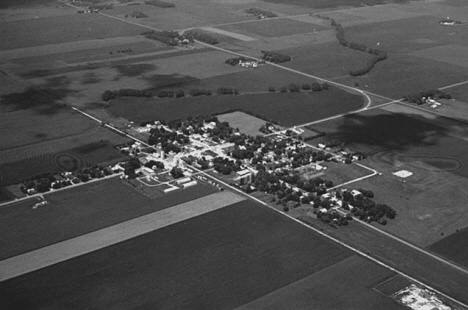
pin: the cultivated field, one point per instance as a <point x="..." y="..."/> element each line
<point x="328" y="60"/>
<point x="222" y="259"/>
<point x="61" y="29"/>
<point x="68" y="153"/>
<point x="429" y="203"/>
<point x="453" y="247"/>
<point x="286" y="108"/>
<point x="274" y="28"/>
<point x="81" y="210"/>
<point x="96" y="240"/>
<point x="333" y="288"/>
<point x="440" y="276"/>
<point x="326" y="4"/>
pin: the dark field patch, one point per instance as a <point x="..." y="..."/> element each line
<point x="90" y="78"/>
<point x="133" y="70"/>
<point x="5" y="195"/>
<point x="220" y="260"/>
<point x="345" y="285"/>
<point x="453" y="247"/>
<point x="395" y="136"/>
<point x="80" y="210"/>
<point x="286" y="108"/>
<point x="62" y="29"/>
<point x="42" y="100"/>
<point x="5" y="4"/>
<point x="322" y="4"/>
<point x="25" y="127"/>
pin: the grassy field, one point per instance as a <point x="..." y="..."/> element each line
<point x="345" y="285"/>
<point x="246" y="123"/>
<point x="223" y="259"/>
<point x="286" y="108"/>
<point x="453" y="247"/>
<point x="61" y="29"/>
<point x="71" y="213"/>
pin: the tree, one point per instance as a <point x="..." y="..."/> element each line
<point x="316" y="86"/>
<point x="294" y="88"/>
<point x="176" y="172"/>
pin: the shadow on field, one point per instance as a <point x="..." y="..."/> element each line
<point x="90" y="78"/>
<point x="134" y="70"/>
<point x="44" y="99"/>
<point x="158" y="81"/>
<point x="388" y="131"/>
<point x="5" y="4"/>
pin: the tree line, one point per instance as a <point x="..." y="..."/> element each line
<point x="421" y="97"/>
<point x="160" y="3"/>
<point x="275" y="57"/>
<point x="340" y="36"/>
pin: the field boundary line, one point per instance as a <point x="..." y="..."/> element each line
<point x="454" y="85"/>
<point x="87" y="243"/>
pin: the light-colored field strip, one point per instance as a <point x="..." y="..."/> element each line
<point x="56" y="253"/>
<point x="231" y="34"/>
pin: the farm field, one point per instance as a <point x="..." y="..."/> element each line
<point x="427" y="147"/>
<point x="186" y="14"/>
<point x="73" y="212"/>
<point x="246" y="123"/>
<point x="335" y="287"/>
<point x="326" y="4"/>
<point x="61" y="29"/>
<point x="459" y="92"/>
<point x="245" y="252"/>
<point x="286" y="108"/>
<point x="106" y="53"/>
<point x="251" y="80"/>
<point x="273" y="28"/>
<point x="39" y="127"/>
<point x="453" y="247"/>
<point x="440" y="276"/>
<point x="328" y="60"/>
<point x="62" y="154"/>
